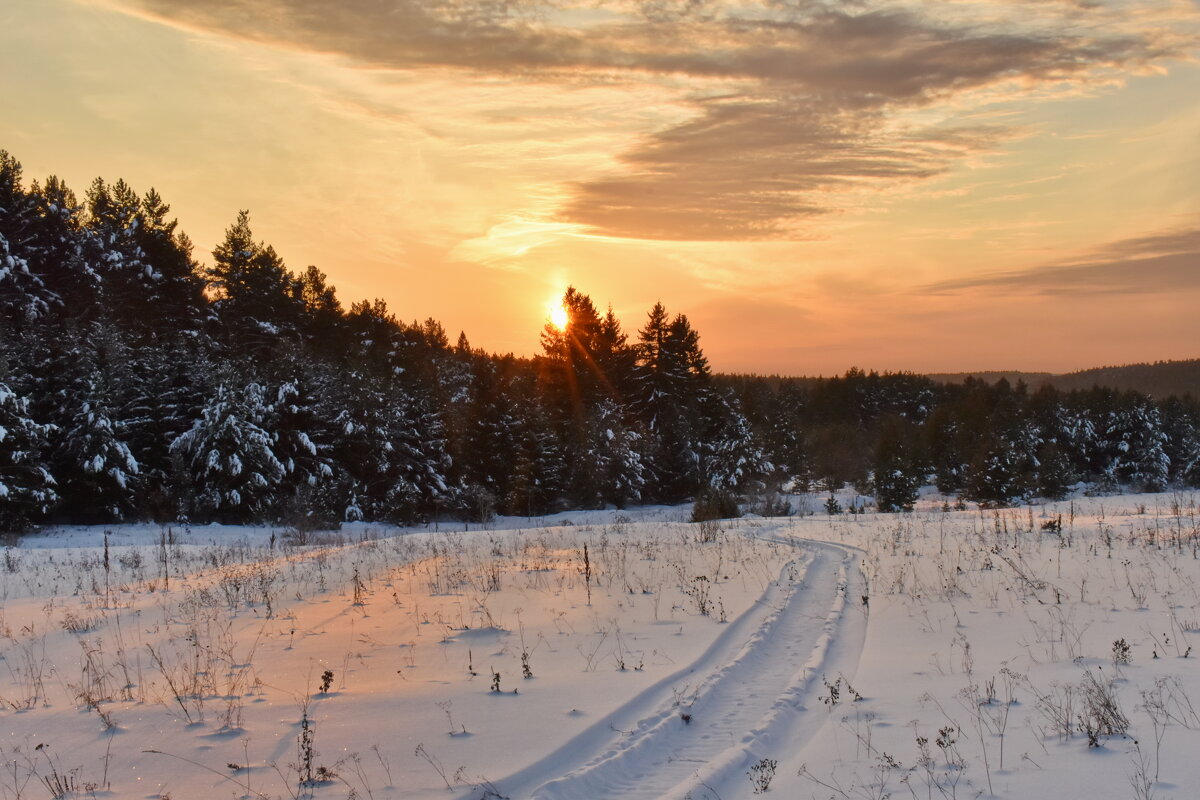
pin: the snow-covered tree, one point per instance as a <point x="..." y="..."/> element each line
<point x="23" y="294"/>
<point x="1181" y="424"/>
<point x="1131" y="444"/>
<point x="729" y="458"/>
<point x="302" y="441"/>
<point x="257" y="299"/>
<point x="1145" y="463"/>
<point x="897" y="469"/>
<point x="97" y="472"/>
<point x="230" y="469"/>
<point x="538" y="467"/>
<point x="27" y="489"/>
<point x="619" y="459"/>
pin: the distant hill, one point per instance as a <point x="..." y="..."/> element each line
<point x="1160" y="379"/>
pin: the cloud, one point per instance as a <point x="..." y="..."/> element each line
<point x="793" y="104"/>
<point x="755" y="168"/>
<point x="1167" y="262"/>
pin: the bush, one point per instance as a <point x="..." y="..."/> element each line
<point x="761" y="774"/>
<point x="773" y="505"/>
<point x="715" y="504"/>
<point x="1102" y="714"/>
<point x="301" y="521"/>
<point x="473" y="503"/>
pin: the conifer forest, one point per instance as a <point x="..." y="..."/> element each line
<point x="143" y="380"/>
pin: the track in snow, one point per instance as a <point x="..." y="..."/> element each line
<point x="753" y="694"/>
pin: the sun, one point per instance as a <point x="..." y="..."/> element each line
<point x="558" y="317"/>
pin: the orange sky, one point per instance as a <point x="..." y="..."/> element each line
<point x="952" y="186"/>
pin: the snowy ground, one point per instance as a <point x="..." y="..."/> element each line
<point x="938" y="654"/>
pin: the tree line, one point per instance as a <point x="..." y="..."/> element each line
<point x="138" y="384"/>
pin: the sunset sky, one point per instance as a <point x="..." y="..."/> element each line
<point x="938" y="186"/>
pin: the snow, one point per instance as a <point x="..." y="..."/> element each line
<point x="865" y="654"/>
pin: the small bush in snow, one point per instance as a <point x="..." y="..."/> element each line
<point x="1121" y="652"/>
<point x="715" y="504"/>
<point x="762" y="773"/>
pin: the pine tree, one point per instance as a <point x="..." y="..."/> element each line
<point x="420" y="462"/>
<point x="1131" y="443"/>
<point x="994" y="476"/>
<point x="161" y="390"/>
<point x="23" y="294"/>
<point x="302" y="439"/>
<point x="230" y="471"/>
<point x="538" y="465"/>
<point x="63" y="253"/>
<point x="491" y="437"/>
<point x="1004" y="464"/>
<point x="97" y="472"/>
<point x="1146" y="465"/>
<point x="27" y="489"/>
<point x="574" y="352"/>
<point x="783" y="439"/>
<point x="1181" y="424"/>
<point x="619" y="461"/>
<point x="666" y="392"/>
<point x="322" y="317"/>
<point x="257" y="299"/>
<point x="1055" y="469"/>
<point x="729" y="458"/>
<point x="150" y="282"/>
<point x="898" y="471"/>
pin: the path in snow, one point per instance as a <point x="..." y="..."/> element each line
<point x="753" y="694"/>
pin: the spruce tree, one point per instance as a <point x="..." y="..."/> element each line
<point x="23" y="293"/>
<point x="229" y="469"/>
<point x="27" y="489"/>
<point x="257" y="299"/>
<point x="97" y="472"/>
<point x="897" y="467"/>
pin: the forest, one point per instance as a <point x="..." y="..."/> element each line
<point x="138" y="383"/>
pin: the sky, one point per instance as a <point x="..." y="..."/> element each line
<point x="926" y="186"/>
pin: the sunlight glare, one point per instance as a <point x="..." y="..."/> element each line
<point x="559" y="317"/>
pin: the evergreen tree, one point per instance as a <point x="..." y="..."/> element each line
<point x="1055" y="469"/>
<point x="117" y="357"/>
<point x="257" y="299"/>
<point x="27" y="489"/>
<point x="729" y="458"/>
<point x="1004" y="464"/>
<point x="322" y="317"/>
<point x="1181" y="425"/>
<point x="670" y="383"/>
<point x="302" y="440"/>
<point x="62" y="253"/>
<point x="898" y="468"/>
<point x="97" y="472"/>
<point x="575" y="351"/>
<point x="618" y="456"/>
<point x="161" y="391"/>
<point x="230" y="471"/>
<point x="23" y="294"/>
<point x="1144" y="462"/>
<point x="783" y="439"/>
<point x="538" y="465"/>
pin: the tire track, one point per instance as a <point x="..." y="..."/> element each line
<point x="751" y="694"/>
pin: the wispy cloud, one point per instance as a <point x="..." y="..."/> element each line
<point x="1160" y="263"/>
<point x="793" y="104"/>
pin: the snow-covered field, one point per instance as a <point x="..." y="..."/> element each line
<point x="1033" y="652"/>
